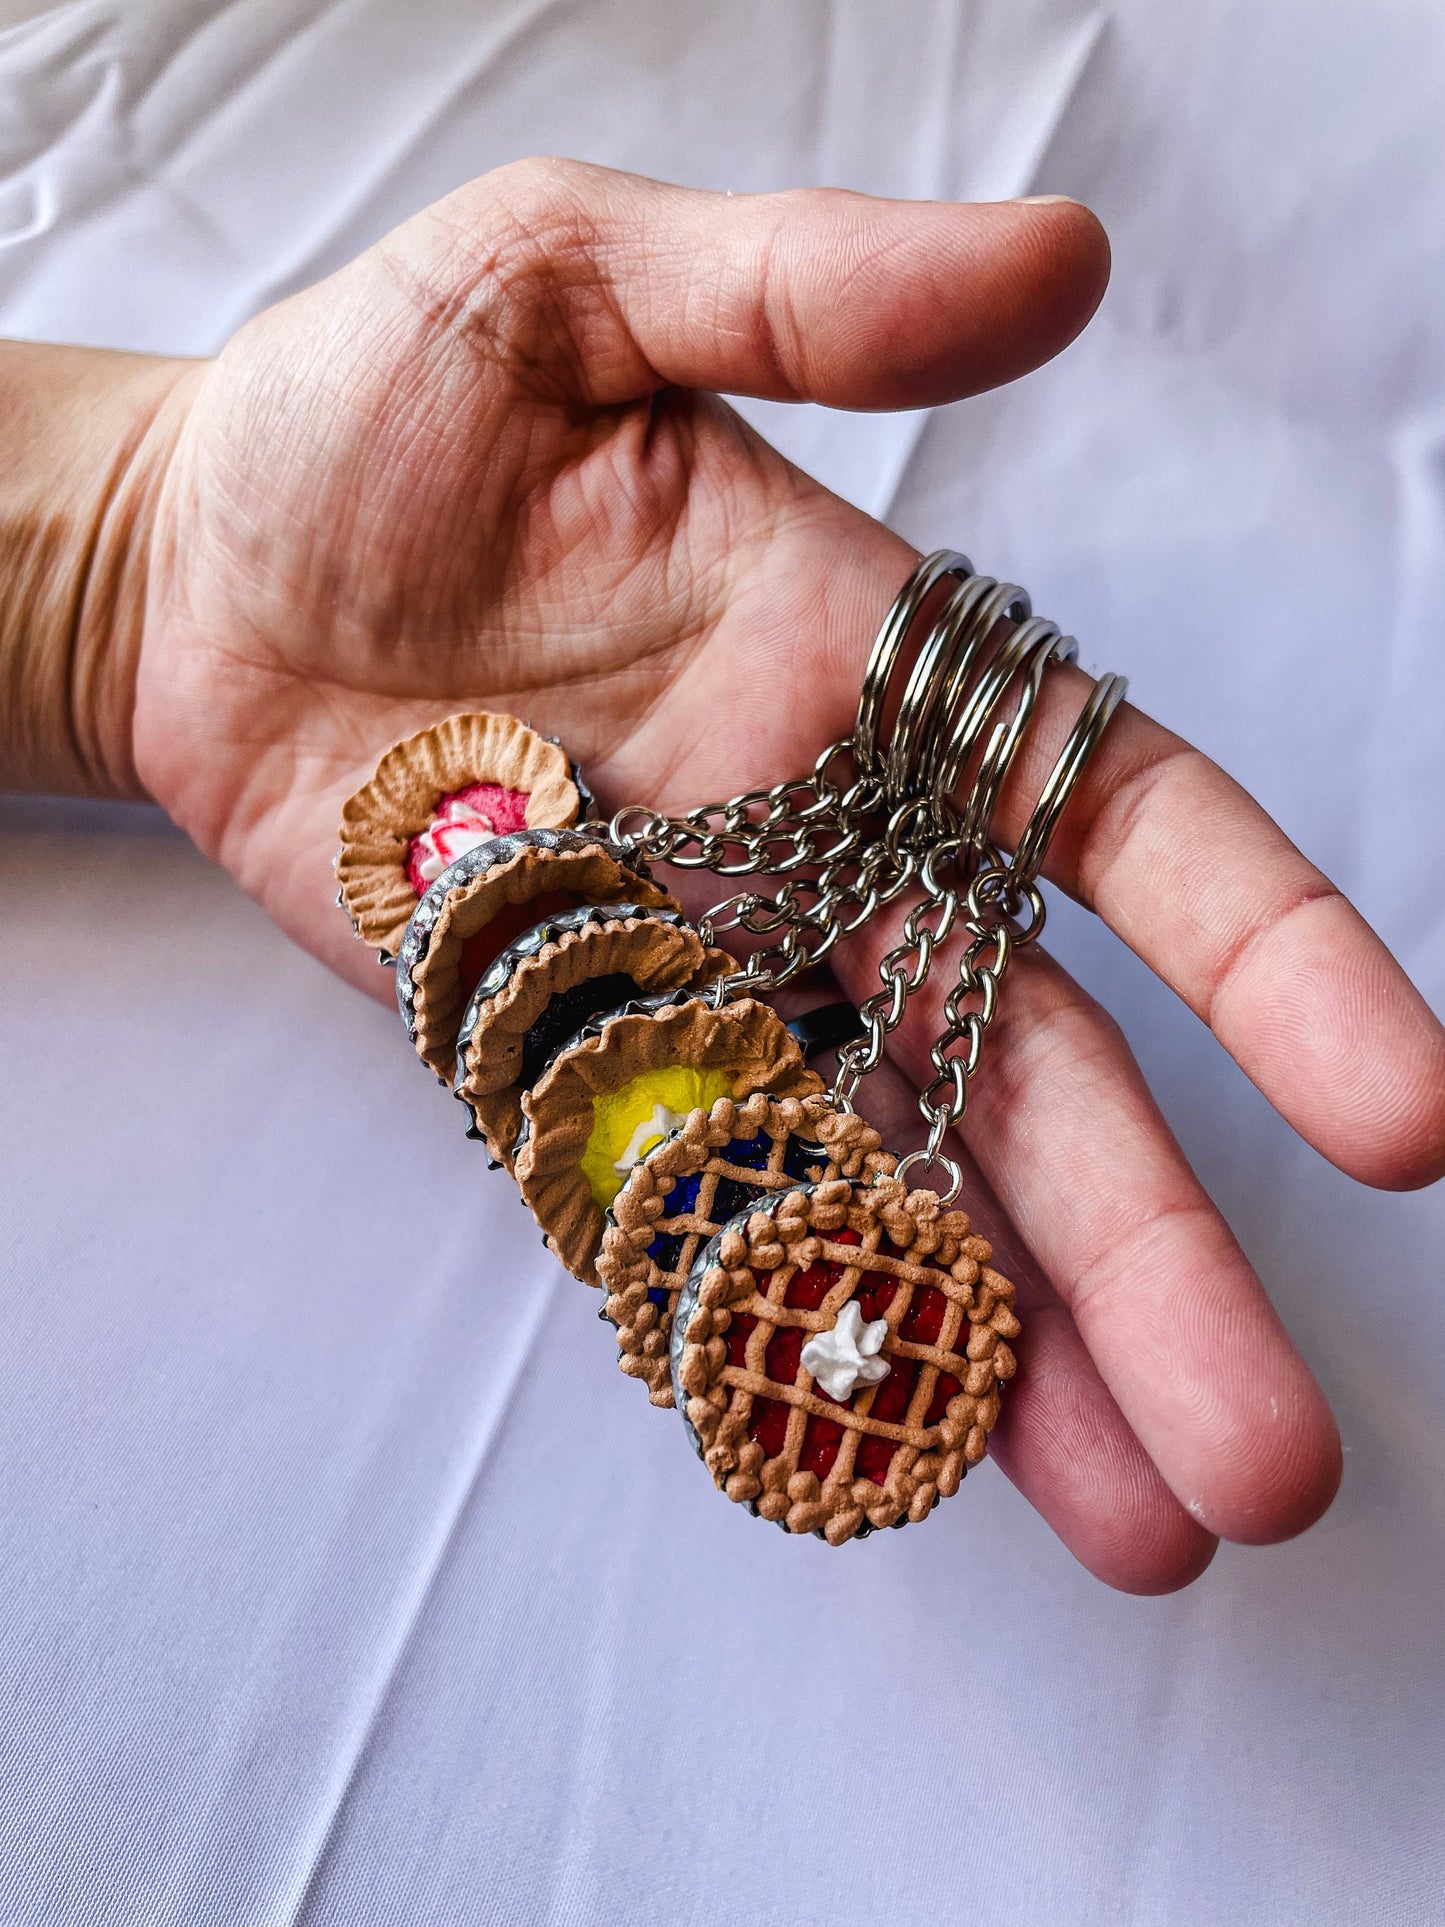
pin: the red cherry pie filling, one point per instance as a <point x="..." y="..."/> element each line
<point x="921" y="1324"/>
<point x="479" y="952"/>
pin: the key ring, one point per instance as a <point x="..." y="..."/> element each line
<point x="960" y="687"/>
<point x="1022" y="660"/>
<point x="946" y="659"/>
<point x="883" y="660"/>
<point x="836" y="1341"/>
<point x="1063" y="779"/>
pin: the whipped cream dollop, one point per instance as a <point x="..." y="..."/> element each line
<point x="462" y="821"/>
<point x="847" y="1356"/>
<point x="648" y="1134"/>
<point x="448" y="836"/>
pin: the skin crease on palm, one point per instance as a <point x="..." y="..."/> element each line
<point x="483" y="467"/>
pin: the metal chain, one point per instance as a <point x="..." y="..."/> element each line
<point x="822" y="839"/>
<point x="795" y="815"/>
<point x="873" y="822"/>
<point x="995" y="930"/>
<point x="903" y="970"/>
<point x="840" y="860"/>
<point x="995" y="934"/>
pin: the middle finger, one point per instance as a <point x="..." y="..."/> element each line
<point x="1072" y="1143"/>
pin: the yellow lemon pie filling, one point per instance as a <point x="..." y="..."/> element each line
<point x="629" y="1123"/>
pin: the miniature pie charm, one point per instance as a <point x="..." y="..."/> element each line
<point x="492" y="895"/>
<point x="433" y="797"/>
<point x="684" y="1192"/>
<point x="539" y="992"/>
<point x="836" y="1344"/>
<point x="801" y="1408"/>
<point x="679" y="1052"/>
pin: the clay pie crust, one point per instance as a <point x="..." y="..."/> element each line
<point x="548" y="984"/>
<point x="411" y="780"/>
<point x="745" y="1041"/>
<point x="496" y="883"/>
<point x="683" y="1194"/>
<point x="764" y="1435"/>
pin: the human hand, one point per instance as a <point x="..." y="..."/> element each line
<point x="473" y="470"/>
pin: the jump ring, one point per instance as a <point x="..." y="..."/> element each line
<point x="943" y="1161"/>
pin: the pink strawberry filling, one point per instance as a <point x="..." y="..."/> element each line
<point x="463" y="820"/>
<point x="922" y="1323"/>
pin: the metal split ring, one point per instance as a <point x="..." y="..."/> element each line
<point x="970" y="688"/>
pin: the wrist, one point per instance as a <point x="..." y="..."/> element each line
<point x="86" y="438"/>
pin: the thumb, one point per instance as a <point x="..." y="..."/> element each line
<point x="600" y="287"/>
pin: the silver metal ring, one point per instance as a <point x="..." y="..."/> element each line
<point x="1084" y="739"/>
<point x="1022" y="662"/>
<point x="944" y="1162"/>
<point x="954" y="718"/>
<point x="970" y="691"/>
<point x="887" y="646"/>
<point x="940" y="671"/>
<point x="975" y="696"/>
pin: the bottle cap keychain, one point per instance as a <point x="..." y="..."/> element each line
<point x="539" y="992"/>
<point x="836" y="1342"/>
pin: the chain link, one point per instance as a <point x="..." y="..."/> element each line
<point x="856" y="836"/>
<point x="841" y="856"/>
<point x="772" y="831"/>
<point x="991" y="923"/>
<point x="994" y="935"/>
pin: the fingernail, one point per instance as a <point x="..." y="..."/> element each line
<point x="1046" y="200"/>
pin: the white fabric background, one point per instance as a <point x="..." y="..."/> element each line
<point x="310" y="1613"/>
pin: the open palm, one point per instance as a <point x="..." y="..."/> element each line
<point x="481" y="467"/>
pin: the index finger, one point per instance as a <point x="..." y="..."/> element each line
<point x="1189" y="870"/>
